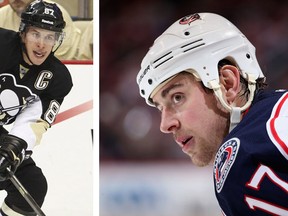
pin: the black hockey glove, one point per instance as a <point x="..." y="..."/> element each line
<point x="12" y="153"/>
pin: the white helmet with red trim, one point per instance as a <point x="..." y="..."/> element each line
<point x="196" y="43"/>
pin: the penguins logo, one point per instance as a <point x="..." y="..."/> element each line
<point x="13" y="98"/>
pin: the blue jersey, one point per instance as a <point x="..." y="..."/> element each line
<point x="251" y="166"/>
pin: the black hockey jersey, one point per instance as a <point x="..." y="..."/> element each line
<point x="251" y="167"/>
<point x="30" y="96"/>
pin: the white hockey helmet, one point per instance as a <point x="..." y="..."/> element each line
<point x="196" y="43"/>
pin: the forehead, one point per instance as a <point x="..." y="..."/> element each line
<point x="40" y="30"/>
<point x="179" y="80"/>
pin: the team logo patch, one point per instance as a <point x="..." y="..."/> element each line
<point x="189" y="19"/>
<point x="224" y="160"/>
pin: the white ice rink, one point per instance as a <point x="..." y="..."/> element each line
<point x="65" y="154"/>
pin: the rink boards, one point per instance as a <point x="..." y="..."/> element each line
<point x="156" y="188"/>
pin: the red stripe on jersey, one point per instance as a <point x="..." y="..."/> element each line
<point x="272" y="125"/>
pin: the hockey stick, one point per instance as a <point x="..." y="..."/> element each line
<point x="25" y="194"/>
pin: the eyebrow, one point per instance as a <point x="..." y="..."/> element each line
<point x="167" y="90"/>
<point x="37" y="31"/>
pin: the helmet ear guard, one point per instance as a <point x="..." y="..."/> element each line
<point x="197" y="43"/>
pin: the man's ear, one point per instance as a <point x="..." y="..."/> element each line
<point x="230" y="80"/>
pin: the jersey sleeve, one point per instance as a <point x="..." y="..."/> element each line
<point x="277" y="125"/>
<point x="29" y="125"/>
<point x="54" y="96"/>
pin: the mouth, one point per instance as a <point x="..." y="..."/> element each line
<point x="39" y="54"/>
<point x="182" y="142"/>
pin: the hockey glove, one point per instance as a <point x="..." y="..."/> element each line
<point x="12" y="153"/>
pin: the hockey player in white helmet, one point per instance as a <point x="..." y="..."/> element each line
<point x="202" y="74"/>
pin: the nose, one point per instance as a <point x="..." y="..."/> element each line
<point x="40" y="42"/>
<point x="169" y="122"/>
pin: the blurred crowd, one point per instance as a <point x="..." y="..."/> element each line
<point x="129" y="130"/>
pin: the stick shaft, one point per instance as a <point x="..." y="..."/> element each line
<point x="25" y="194"/>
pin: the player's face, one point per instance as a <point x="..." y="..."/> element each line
<point x="193" y="116"/>
<point x="19" y="5"/>
<point x="39" y="44"/>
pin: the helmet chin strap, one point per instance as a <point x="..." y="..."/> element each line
<point x="25" y="52"/>
<point x="235" y="112"/>
<point x="60" y="42"/>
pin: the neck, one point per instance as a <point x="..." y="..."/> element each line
<point x="26" y="58"/>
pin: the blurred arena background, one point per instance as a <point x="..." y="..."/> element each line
<point x="143" y="172"/>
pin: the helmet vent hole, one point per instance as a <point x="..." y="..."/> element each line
<point x="142" y="92"/>
<point x="248" y="55"/>
<point x="150" y="81"/>
<point x="186" y="33"/>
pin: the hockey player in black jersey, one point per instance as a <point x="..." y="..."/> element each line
<point x="33" y="84"/>
<point x="203" y="76"/>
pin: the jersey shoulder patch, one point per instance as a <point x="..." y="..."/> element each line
<point x="224" y="160"/>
